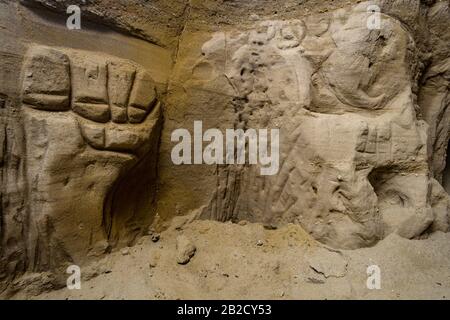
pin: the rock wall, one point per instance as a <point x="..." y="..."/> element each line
<point x="80" y="134"/>
<point x="354" y="153"/>
<point x="87" y="117"/>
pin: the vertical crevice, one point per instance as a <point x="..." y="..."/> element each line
<point x="446" y="173"/>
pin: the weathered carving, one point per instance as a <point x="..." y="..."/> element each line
<point x="354" y="156"/>
<point x="363" y="114"/>
<point x="105" y="118"/>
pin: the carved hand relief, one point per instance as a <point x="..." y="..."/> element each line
<point x="89" y="119"/>
<point x="98" y="90"/>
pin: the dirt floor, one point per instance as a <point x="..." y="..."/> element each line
<point x="248" y="261"/>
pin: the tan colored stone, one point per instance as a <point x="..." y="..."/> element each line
<point x="46" y="84"/>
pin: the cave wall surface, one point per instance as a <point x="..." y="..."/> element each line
<point x="86" y="118"/>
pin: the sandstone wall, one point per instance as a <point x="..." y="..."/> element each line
<point x="87" y="116"/>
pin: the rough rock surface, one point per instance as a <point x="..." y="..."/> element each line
<point x="185" y="249"/>
<point x="86" y="118"/>
<point x="355" y="148"/>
